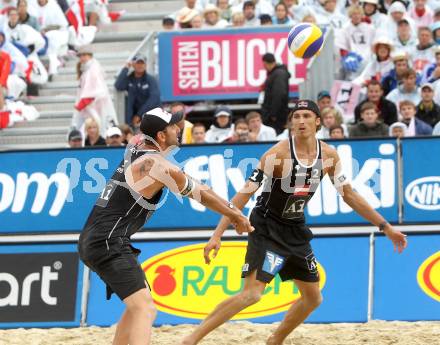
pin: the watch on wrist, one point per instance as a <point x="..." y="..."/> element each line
<point x="382" y="226"/>
<point x="231" y="205"/>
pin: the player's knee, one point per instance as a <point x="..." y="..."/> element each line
<point x="250" y="297"/>
<point x="314" y="301"/>
<point x="143" y="307"/>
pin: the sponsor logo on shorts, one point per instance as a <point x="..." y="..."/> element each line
<point x="428" y="276"/>
<point x="180" y="280"/>
<point x="272" y="263"/>
<point x="312" y="264"/>
<point x="245" y="268"/>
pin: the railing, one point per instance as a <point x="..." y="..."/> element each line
<point x="320" y="72"/>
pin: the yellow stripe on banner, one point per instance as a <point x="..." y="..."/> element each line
<point x="314" y="35"/>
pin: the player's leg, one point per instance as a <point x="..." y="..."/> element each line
<point x="251" y="294"/>
<point x="122" y="330"/>
<point x="310" y="299"/>
<point x="141" y="313"/>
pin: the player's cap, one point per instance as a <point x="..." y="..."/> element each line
<point x="306" y="104"/>
<point x="322" y="94"/>
<point x="140" y="58"/>
<point x="112" y="132"/>
<point x="222" y="110"/>
<point x="85" y="50"/>
<point x="75" y="135"/>
<point x="427" y="85"/>
<point x="157" y="119"/>
<point x="397" y="6"/>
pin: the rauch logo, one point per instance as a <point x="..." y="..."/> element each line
<point x="183" y="285"/>
<point x="428" y="276"/>
<point x="424" y="193"/>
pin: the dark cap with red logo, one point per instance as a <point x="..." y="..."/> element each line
<point x="306" y="104"/>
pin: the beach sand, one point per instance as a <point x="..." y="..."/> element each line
<point x="372" y="333"/>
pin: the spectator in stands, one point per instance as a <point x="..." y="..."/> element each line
<point x="386" y="109"/>
<point x="391" y="80"/>
<point x="185" y="133"/>
<point x="276" y="93"/>
<point x="168" y="24"/>
<point x="258" y="131"/>
<point x="197" y="22"/>
<point x="436" y="13"/>
<point x="414" y="125"/>
<point x="397" y="129"/>
<point x="370" y="126"/>
<point x="373" y="15"/>
<point x="432" y="71"/>
<point x="249" y="14"/>
<point x="265" y="20"/>
<point x="75" y="139"/>
<point x="114" y="137"/>
<point x="421" y="14"/>
<point x="407" y="91"/>
<point x="427" y="110"/>
<point x="24" y="17"/>
<point x="380" y="64"/>
<point x="225" y="9"/>
<point x="142" y="89"/>
<point x="53" y="25"/>
<point x="222" y="126"/>
<point x="91" y="128"/>
<point x="435" y="28"/>
<point x="93" y="96"/>
<point x="354" y="41"/>
<point x="405" y="41"/>
<point x="241" y="132"/>
<point x="396" y="13"/>
<point x="211" y="14"/>
<point x="281" y="16"/>
<point x="237" y="19"/>
<point x="184" y="17"/>
<point x="337" y="132"/>
<point x="198" y="133"/>
<point x="330" y="118"/>
<point x="127" y="133"/>
<point x="18" y="67"/>
<point x="423" y="54"/>
<point x="324" y="100"/>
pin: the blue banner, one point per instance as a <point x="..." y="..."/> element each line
<point x="407" y="286"/>
<point x="421" y="179"/>
<point x="185" y="289"/>
<point x="54" y="191"/>
<point x="40" y="286"/>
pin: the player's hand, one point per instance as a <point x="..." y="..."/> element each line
<point x="214" y="245"/>
<point x="242" y="224"/>
<point x="398" y="239"/>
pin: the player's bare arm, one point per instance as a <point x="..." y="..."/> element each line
<point x="273" y="163"/>
<point x="148" y="175"/>
<point x="332" y="166"/>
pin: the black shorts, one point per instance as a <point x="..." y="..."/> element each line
<point x="278" y="248"/>
<point x="117" y="265"/>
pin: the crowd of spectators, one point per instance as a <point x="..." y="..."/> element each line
<point x="387" y="48"/>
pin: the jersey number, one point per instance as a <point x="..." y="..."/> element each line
<point x="106" y="194"/>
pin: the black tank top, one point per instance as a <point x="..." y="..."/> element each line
<point x="286" y="198"/>
<point x="119" y="210"/>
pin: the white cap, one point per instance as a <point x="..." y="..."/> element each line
<point x="113" y="131"/>
<point x="397" y="6"/>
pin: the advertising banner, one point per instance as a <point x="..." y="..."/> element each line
<point x="421" y="180"/>
<point x="40" y="286"/>
<point x="185" y="289"/>
<point x="222" y="64"/>
<point x="54" y="191"/>
<point x="407" y="286"/>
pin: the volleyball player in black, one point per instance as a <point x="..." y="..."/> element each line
<point x="290" y="172"/>
<point x="127" y="201"/>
